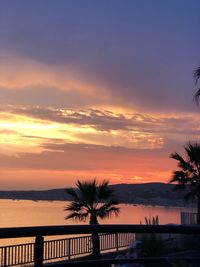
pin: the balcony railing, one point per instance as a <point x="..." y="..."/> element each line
<point x="40" y="251"/>
<point x="62" y="249"/>
<point x="188" y="218"/>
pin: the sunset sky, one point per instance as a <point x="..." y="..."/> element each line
<point x="95" y="89"/>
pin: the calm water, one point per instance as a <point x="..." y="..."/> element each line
<point x="16" y="213"/>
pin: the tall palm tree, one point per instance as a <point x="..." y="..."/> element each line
<point x="189" y="173"/>
<point x="197" y="77"/>
<point x="90" y="200"/>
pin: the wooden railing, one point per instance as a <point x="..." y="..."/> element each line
<point x="61" y="249"/>
<point x="39" y="252"/>
<point x="17" y="254"/>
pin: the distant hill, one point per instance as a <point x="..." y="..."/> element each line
<point x="147" y="194"/>
<point x="151" y="194"/>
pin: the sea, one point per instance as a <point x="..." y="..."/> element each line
<point x="17" y="213"/>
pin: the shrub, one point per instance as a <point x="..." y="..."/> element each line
<point x="153" y="221"/>
<point x="152" y="245"/>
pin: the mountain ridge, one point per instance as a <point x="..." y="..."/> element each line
<point x="154" y="193"/>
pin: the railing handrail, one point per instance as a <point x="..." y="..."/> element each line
<point x="15" y="232"/>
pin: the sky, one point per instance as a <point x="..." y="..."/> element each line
<point x="96" y="89"/>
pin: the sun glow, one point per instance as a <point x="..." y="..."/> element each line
<point x="88" y="143"/>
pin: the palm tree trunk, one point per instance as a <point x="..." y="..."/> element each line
<point x="95" y="239"/>
<point x="198" y="207"/>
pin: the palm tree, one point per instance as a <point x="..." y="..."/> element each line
<point x="197" y="77"/>
<point x="189" y="173"/>
<point x="90" y="200"/>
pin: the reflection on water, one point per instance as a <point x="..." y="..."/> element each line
<point x="16" y="213"/>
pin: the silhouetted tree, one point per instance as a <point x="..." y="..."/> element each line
<point x="197" y="77"/>
<point x="189" y="173"/>
<point x="91" y="200"/>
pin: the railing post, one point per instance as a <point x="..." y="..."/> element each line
<point x="69" y="248"/>
<point x="116" y="242"/>
<point x="39" y="251"/>
<point x="5" y="257"/>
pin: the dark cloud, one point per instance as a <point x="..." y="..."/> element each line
<point x="140" y="52"/>
<point x="101" y="120"/>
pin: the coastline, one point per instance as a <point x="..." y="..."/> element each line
<point x="144" y="202"/>
<point x="153" y="194"/>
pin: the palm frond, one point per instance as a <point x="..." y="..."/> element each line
<point x="196" y="78"/>
<point x="74" y="206"/>
<point x="189" y="170"/>
<point x="186" y="166"/>
<point x="88" y="191"/>
<point x="197" y="96"/>
<point x="179" y="177"/>
<point x="105" y="191"/>
<point x="110" y="203"/>
<point x="177" y="156"/>
<point x="197" y="75"/>
<point x="193" y="152"/>
<point x="182" y="163"/>
<point x="108" y="212"/>
<point x="76" y="216"/>
<point x="73" y="193"/>
<point x="107" y="209"/>
<point x="91" y="199"/>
